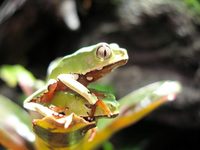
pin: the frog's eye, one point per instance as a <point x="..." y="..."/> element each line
<point x="103" y="51"/>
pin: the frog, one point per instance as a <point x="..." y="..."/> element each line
<point x="71" y="75"/>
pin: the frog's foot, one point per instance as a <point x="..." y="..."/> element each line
<point x="104" y="107"/>
<point x="99" y="103"/>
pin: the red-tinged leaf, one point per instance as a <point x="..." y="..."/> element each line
<point x="15" y="127"/>
<point x="60" y="131"/>
<point x="134" y="107"/>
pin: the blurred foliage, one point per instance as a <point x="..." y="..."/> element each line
<point x="13" y="74"/>
<point x="15" y="126"/>
<point x="135" y="106"/>
<point x="194" y="5"/>
<point x="107" y="145"/>
<point x="102" y="87"/>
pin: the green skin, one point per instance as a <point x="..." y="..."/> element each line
<point x="78" y="70"/>
<point x="86" y="60"/>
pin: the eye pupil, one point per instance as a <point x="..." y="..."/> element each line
<point x="105" y="52"/>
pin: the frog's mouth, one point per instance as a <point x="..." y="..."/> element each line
<point x="100" y="72"/>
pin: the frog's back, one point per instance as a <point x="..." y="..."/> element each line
<point x="62" y="67"/>
<point x="80" y="63"/>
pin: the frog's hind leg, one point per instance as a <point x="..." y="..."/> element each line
<point x="48" y="94"/>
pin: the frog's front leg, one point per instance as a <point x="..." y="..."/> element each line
<point x="70" y="80"/>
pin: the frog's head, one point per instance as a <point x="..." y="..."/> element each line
<point x="90" y="63"/>
<point x="101" y="59"/>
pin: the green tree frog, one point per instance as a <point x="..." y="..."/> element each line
<point x="73" y="73"/>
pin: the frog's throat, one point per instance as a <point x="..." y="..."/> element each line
<point x="99" y="73"/>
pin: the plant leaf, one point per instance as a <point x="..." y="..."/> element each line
<point x="134" y="107"/>
<point x="60" y="132"/>
<point x="17" y="74"/>
<point x="11" y="74"/>
<point x="15" y="126"/>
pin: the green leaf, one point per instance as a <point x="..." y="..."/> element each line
<point x="194" y="5"/>
<point x="102" y="88"/>
<point x="107" y="146"/>
<point x="11" y="74"/>
<point x="15" y="75"/>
